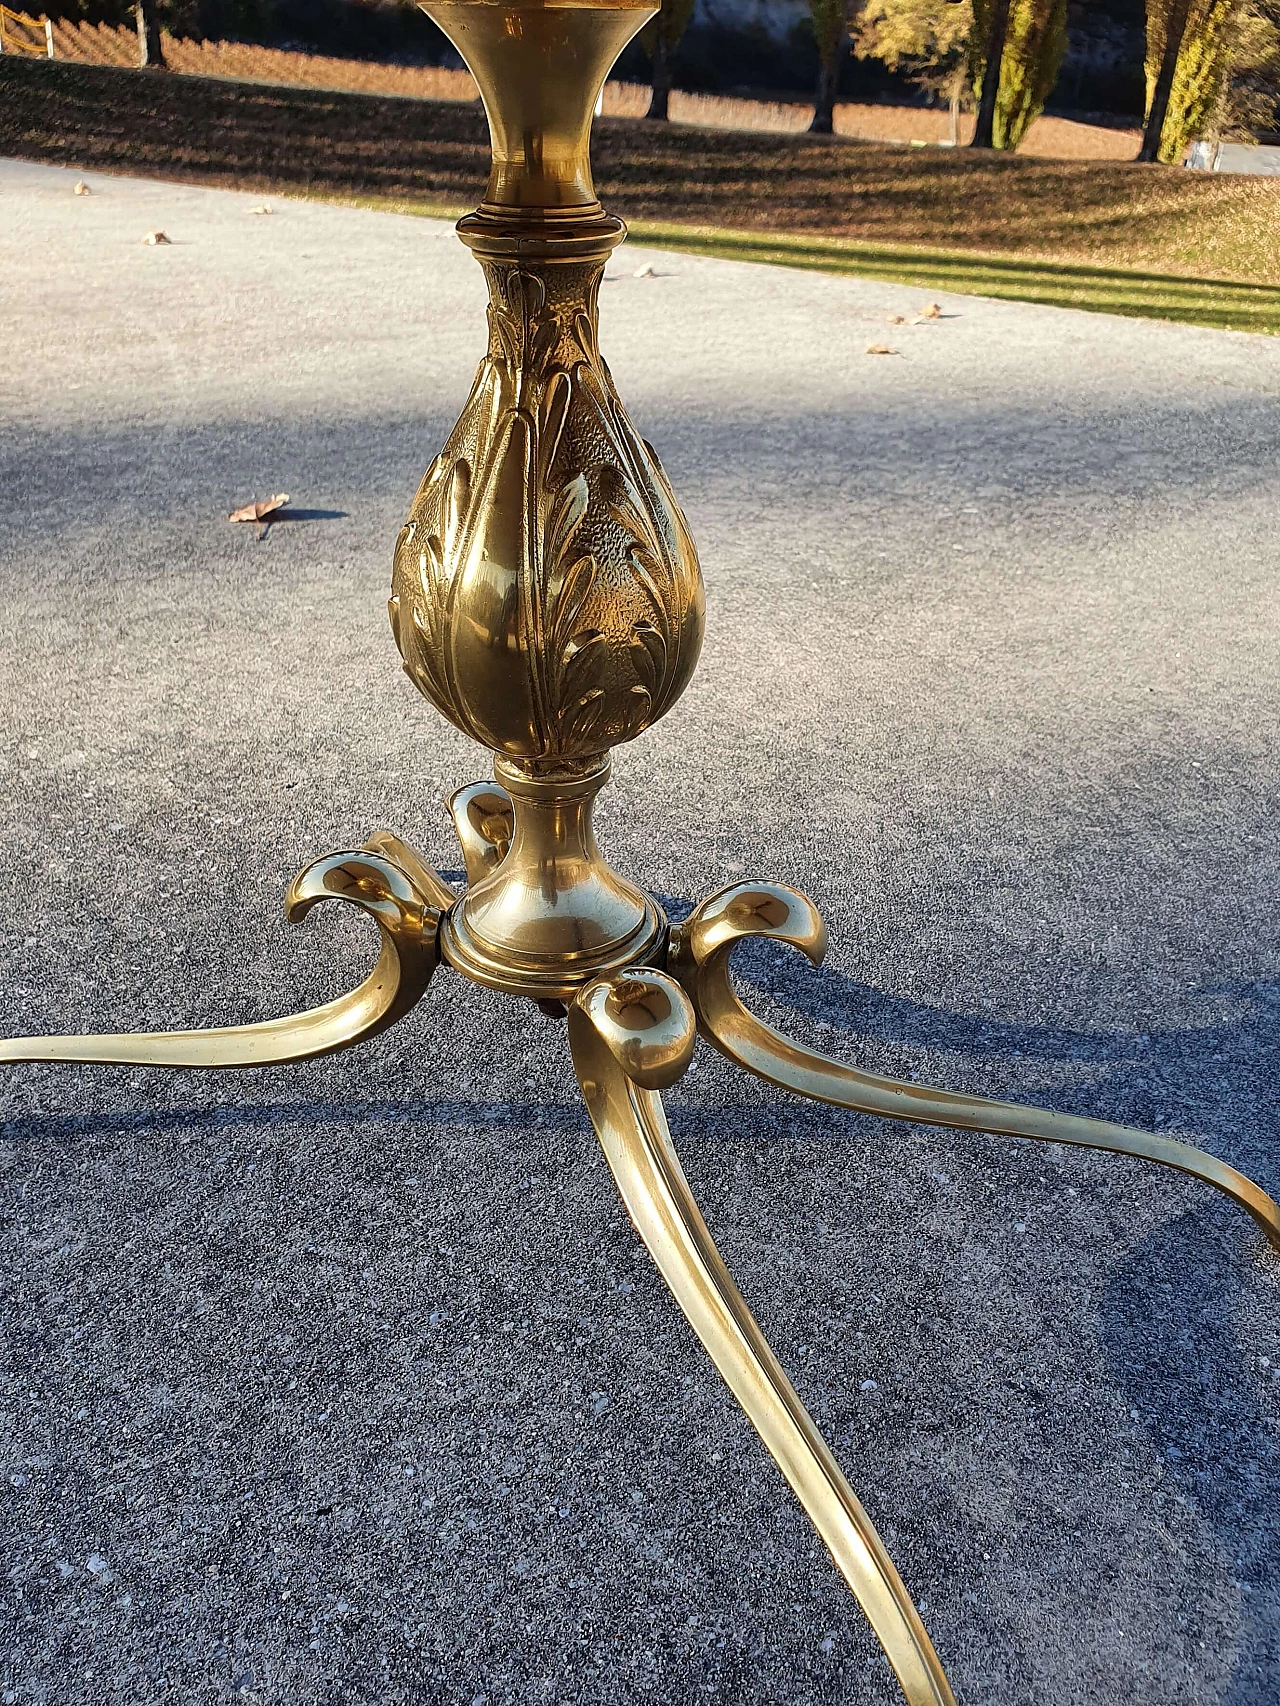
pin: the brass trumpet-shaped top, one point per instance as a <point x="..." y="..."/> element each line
<point x="540" y="68"/>
<point x="546" y="595"/>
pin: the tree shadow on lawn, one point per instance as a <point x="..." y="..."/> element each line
<point x="263" y="137"/>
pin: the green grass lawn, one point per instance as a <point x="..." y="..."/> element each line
<point x="1100" y="290"/>
<point x="1218" y="303"/>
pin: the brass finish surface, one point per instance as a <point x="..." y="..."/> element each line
<point x="546" y="595"/>
<point x="700" y="958"/>
<point x="550" y="915"/>
<point x="484" y="819"/>
<point x="546" y="598"/>
<point x="630" y="1037"/>
<point x="539" y="68"/>
<point x="437" y="892"/>
<point x="407" y="922"/>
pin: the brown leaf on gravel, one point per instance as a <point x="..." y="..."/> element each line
<point x="82" y="189"/>
<point x="932" y="312"/>
<point x="263" y="209"/>
<point x="265" y="511"/>
<point x="897" y="320"/>
<point x="154" y="238"/>
<point x="881" y="349"/>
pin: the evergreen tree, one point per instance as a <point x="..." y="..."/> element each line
<point x="1251" y="89"/>
<point x="1167" y="25"/>
<point x="986" y="47"/>
<point x="1035" y="42"/>
<point x="1213" y="66"/>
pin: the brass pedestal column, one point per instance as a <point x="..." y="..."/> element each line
<point x="546" y="598"/>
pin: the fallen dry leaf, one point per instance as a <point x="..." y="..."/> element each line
<point x="646" y="271"/>
<point x="266" y="511"/>
<point x="263" y="209"/>
<point x="932" y="312"/>
<point x="154" y="238"/>
<point x="82" y="189"/>
<point x="881" y="349"/>
<point x="897" y="319"/>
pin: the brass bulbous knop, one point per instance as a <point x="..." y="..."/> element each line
<point x="546" y="594"/>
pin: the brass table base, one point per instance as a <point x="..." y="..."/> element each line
<point x="632" y="1031"/>
<point x="546" y="598"/>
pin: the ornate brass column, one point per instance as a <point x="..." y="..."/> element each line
<point x="546" y="599"/>
<point x="546" y="595"/>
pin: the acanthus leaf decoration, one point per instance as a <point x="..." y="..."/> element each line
<point x="648" y="656"/>
<point x="585" y="332"/>
<point x="585" y="729"/>
<point x="564" y="520"/>
<point x="575" y="650"/>
<point x="581" y="661"/>
<point x="565" y="624"/>
<point x="553" y="412"/>
<point x="457" y="497"/>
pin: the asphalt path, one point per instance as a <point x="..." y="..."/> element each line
<point x="350" y="1383"/>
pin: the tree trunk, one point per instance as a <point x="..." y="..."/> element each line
<point x="661" y="96"/>
<point x="955" y="118"/>
<point x="150" y="51"/>
<point x="824" y="100"/>
<point x="985" y="126"/>
<point x="1152" y="131"/>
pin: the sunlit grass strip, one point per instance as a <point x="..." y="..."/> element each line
<point x="1217" y="303"/>
<point x="1064" y="284"/>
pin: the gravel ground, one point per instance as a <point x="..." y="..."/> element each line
<point x="349" y="1383"/>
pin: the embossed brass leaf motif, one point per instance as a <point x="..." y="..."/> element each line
<point x="569" y="619"/>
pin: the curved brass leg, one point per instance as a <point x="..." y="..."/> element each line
<point x="435" y="891"/>
<point x="631" y="1035"/>
<point x="407" y="922"/>
<point x="700" y="960"/>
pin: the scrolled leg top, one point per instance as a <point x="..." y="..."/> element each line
<point x="408" y="923"/>
<point x="645" y="1020"/>
<point x="749" y="909"/>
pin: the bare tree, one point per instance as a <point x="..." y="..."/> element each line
<point x="150" y="48"/>
<point x="660" y="38"/>
<point x="830" y="30"/>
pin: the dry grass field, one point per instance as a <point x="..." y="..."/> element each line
<point x="1048" y="138"/>
<point x="1119" y="238"/>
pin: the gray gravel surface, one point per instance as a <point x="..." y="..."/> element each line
<point x="350" y="1383"/>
